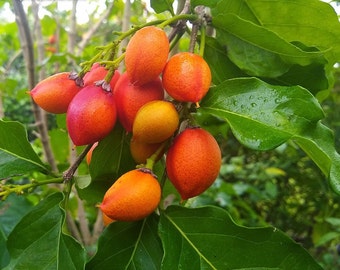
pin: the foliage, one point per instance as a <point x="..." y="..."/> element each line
<point x="267" y="107"/>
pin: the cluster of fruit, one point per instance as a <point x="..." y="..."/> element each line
<point x="143" y="100"/>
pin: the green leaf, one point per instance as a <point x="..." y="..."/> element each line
<point x="4" y="256"/>
<point x="16" y="153"/>
<point x="262" y="116"/>
<point x="129" y="245"/>
<point x="37" y="242"/>
<point x="257" y="50"/>
<point x="221" y="66"/>
<point x="12" y="210"/>
<point x="318" y="143"/>
<point x="160" y="6"/>
<point x="110" y="159"/>
<point x="216" y="242"/>
<point x="315" y="23"/>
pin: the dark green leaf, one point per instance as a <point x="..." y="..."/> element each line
<point x="16" y="153"/>
<point x="318" y="143"/>
<point x="37" y="242"/>
<point x="12" y="210"/>
<point x="133" y="245"/>
<point x="220" y="65"/>
<point x="262" y="116"/>
<point x="160" y="6"/>
<point x="257" y="50"/>
<point x="207" y="3"/>
<point x="4" y="255"/>
<point x="110" y="159"/>
<point x="207" y="238"/>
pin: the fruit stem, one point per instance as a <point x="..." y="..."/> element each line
<point x="179" y="17"/>
<point x="6" y="190"/>
<point x="68" y="174"/>
<point x="150" y="162"/>
<point x="202" y="41"/>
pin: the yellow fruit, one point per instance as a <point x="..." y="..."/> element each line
<point x="155" y="122"/>
<point x="134" y="196"/>
<point x="141" y="151"/>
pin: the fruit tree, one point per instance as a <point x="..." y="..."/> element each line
<point x="147" y="124"/>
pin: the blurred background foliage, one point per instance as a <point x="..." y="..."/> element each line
<point x="281" y="187"/>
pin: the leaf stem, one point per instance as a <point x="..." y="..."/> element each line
<point x="6" y="190"/>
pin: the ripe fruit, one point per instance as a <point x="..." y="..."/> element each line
<point x="55" y="93"/>
<point x="89" y="153"/>
<point x="52" y="39"/>
<point x="193" y="162"/>
<point x="146" y="54"/>
<point x="130" y="98"/>
<point x="134" y="196"/>
<point x="141" y="151"/>
<point x="155" y="122"/>
<point x="107" y="220"/>
<point x="91" y="115"/>
<point x="186" y="77"/>
<point x="98" y="73"/>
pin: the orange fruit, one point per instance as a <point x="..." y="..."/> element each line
<point x="107" y="220"/>
<point x="91" y="115"/>
<point x="186" y="77"/>
<point x="55" y="93"/>
<point x="130" y="98"/>
<point x="193" y="162"/>
<point x="146" y="54"/>
<point x="134" y="196"/>
<point x="89" y="153"/>
<point x="155" y="122"/>
<point x="141" y="151"/>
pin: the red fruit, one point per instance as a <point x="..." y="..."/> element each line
<point x="130" y="98"/>
<point x="193" y="162"/>
<point x="52" y="39"/>
<point x="98" y="73"/>
<point x="91" y="115"/>
<point x="146" y="54"/>
<point x="55" y="93"/>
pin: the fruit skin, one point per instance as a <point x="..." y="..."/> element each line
<point x="134" y="196"/>
<point x="186" y="77"/>
<point x="141" y="151"/>
<point x="146" y="54"/>
<point x="98" y="73"/>
<point x="91" y="115"/>
<point x="89" y="153"/>
<point x="130" y="98"/>
<point x="107" y="220"/>
<point x="193" y="162"/>
<point x="155" y="122"/>
<point x="55" y="93"/>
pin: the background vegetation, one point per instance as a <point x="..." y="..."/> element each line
<point x="281" y="187"/>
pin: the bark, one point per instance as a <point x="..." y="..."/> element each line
<point x="41" y="76"/>
<point x="125" y="27"/>
<point x="27" y="49"/>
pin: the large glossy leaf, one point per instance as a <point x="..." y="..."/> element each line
<point x="259" y="51"/>
<point x="37" y="242"/>
<point x="16" y="153"/>
<point x="133" y="245"/>
<point x="110" y="159"/>
<point x="207" y="238"/>
<point x="263" y="116"/>
<point x="315" y="23"/>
